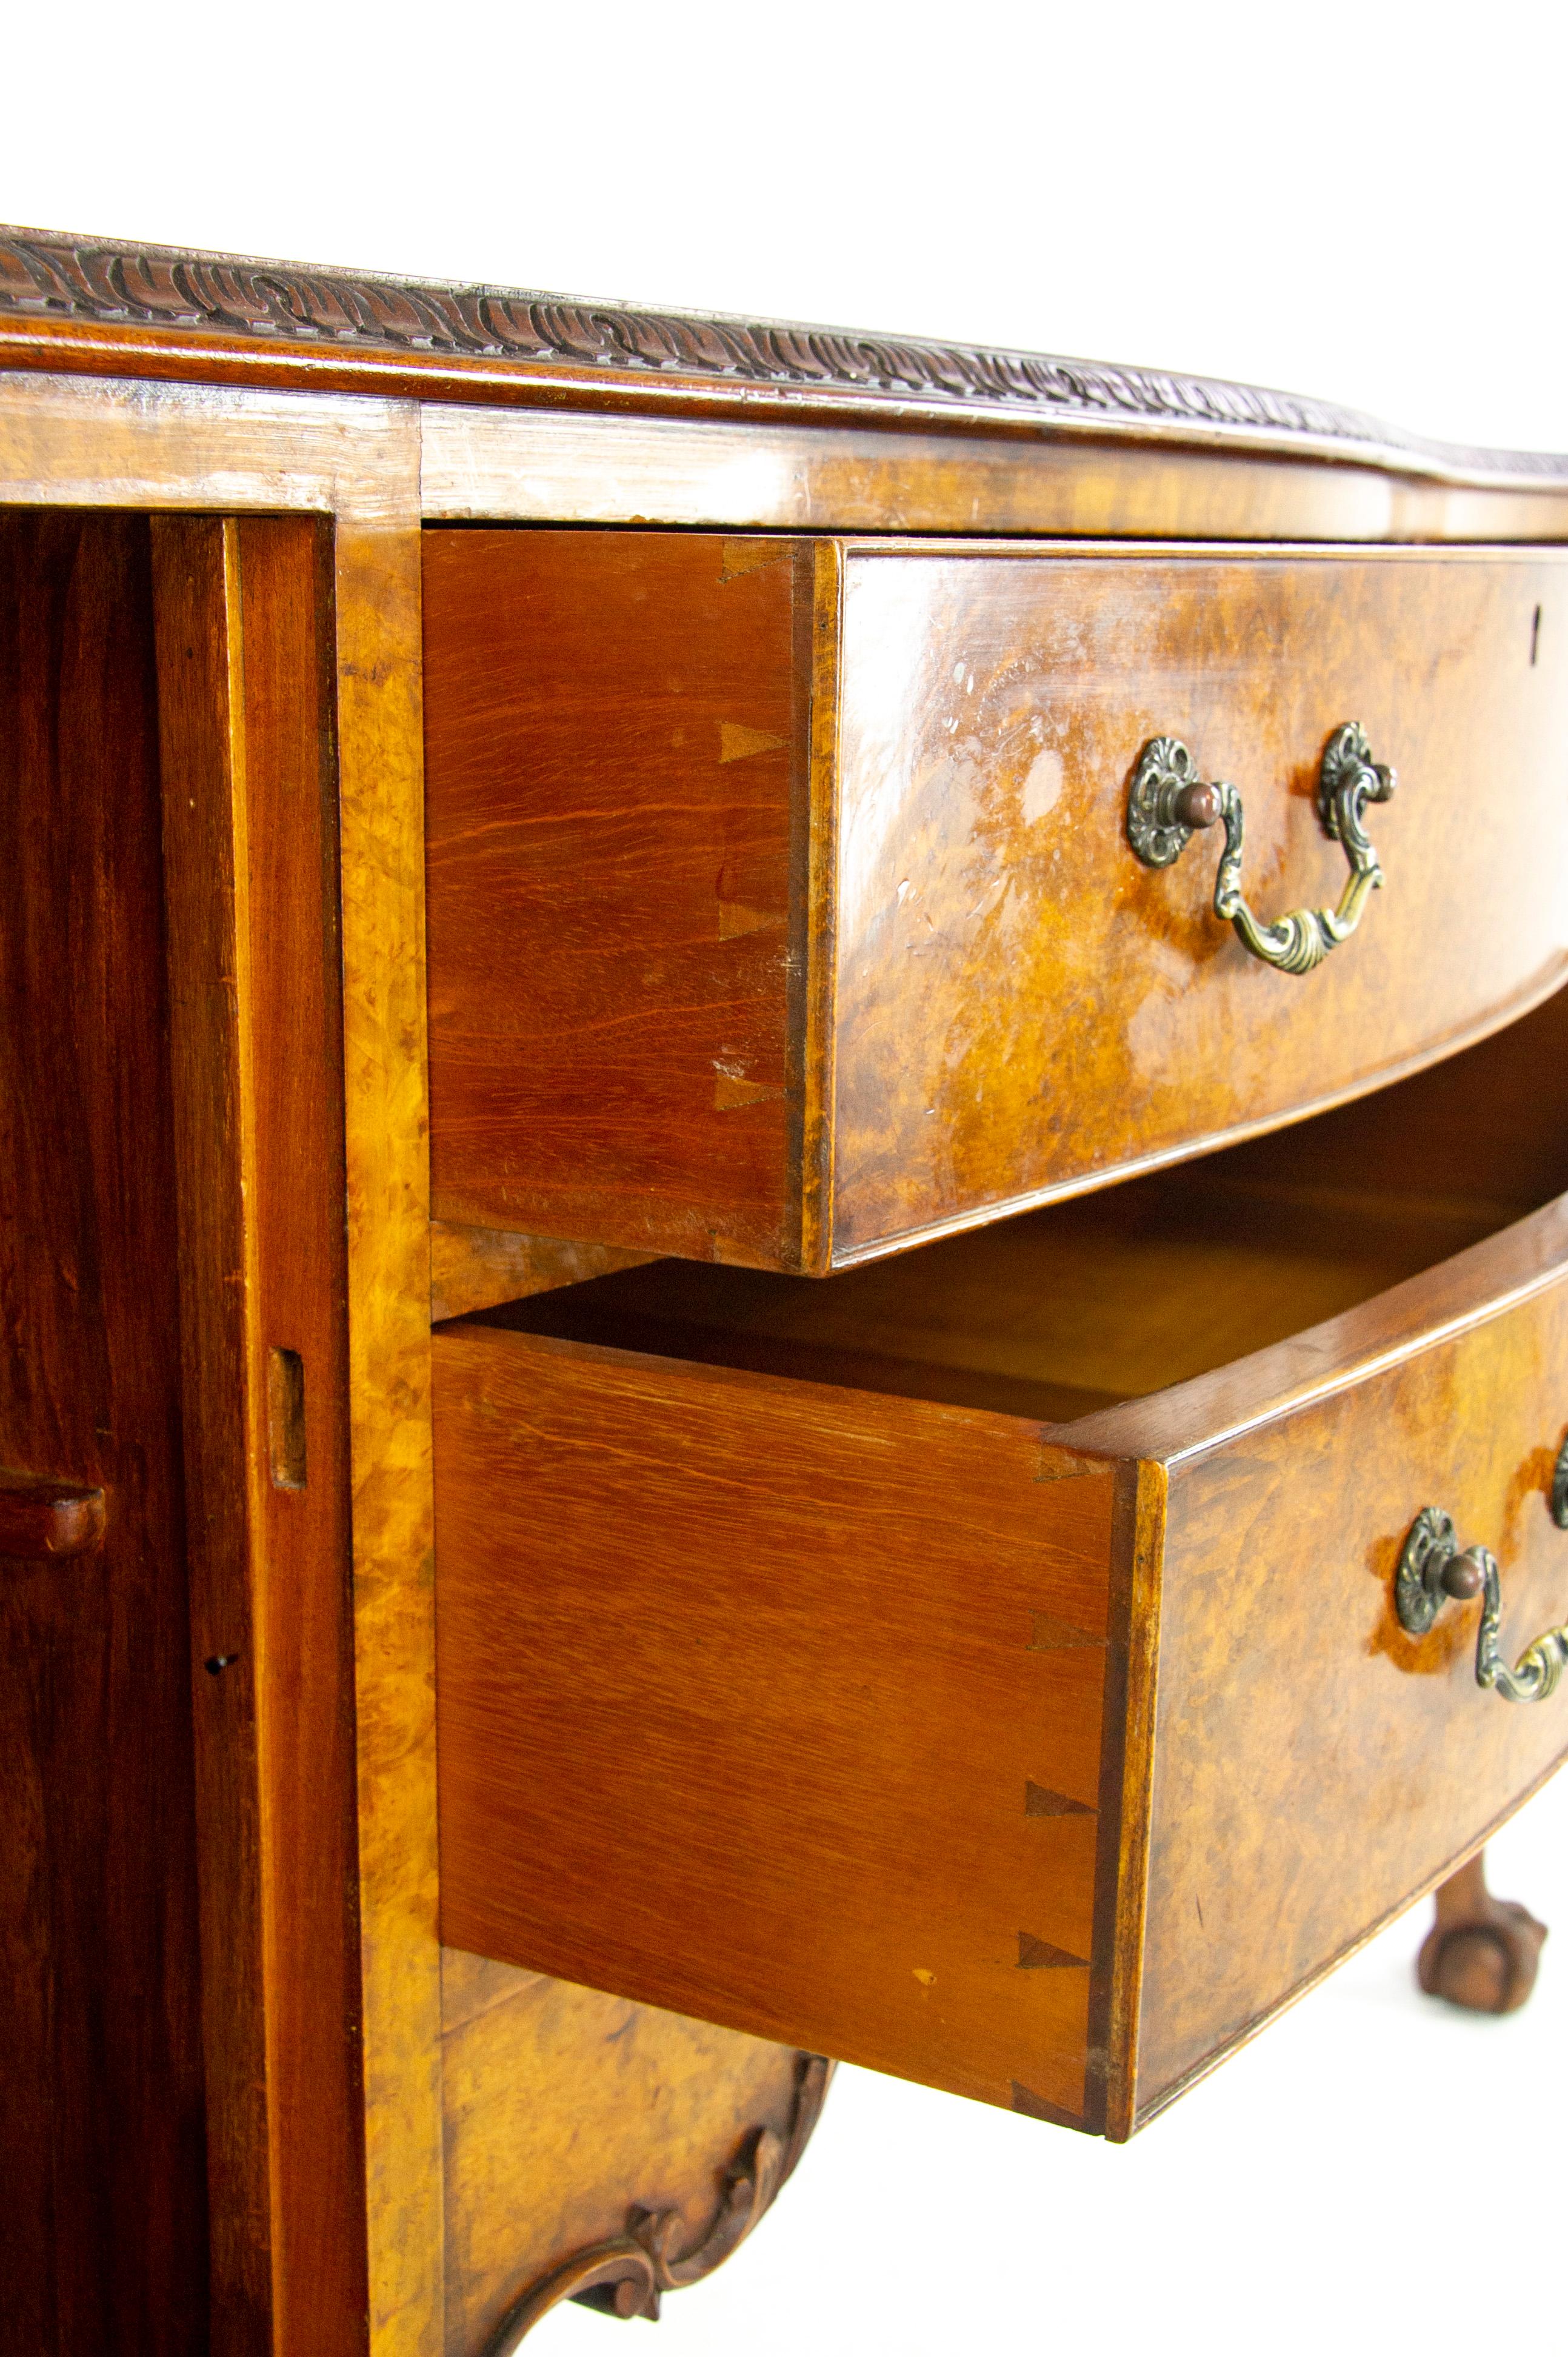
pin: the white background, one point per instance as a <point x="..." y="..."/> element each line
<point x="1361" y="202"/>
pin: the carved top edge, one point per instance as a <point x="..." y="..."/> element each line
<point x="55" y="278"/>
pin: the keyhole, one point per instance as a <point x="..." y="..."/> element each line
<point x="1535" y="637"/>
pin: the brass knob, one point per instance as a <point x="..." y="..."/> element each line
<point x="1196" y="804"/>
<point x="1464" y="1577"/>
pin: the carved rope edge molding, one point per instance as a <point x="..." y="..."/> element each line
<point x="46" y="276"/>
<point x="631" y="2271"/>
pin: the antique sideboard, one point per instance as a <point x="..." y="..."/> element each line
<point x="785" y="1264"/>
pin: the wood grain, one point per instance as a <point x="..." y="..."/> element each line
<point x="1021" y="1007"/>
<point x="116" y="2130"/>
<point x="1315" y="1768"/>
<point x="544" y="2072"/>
<point x="103" y="2232"/>
<point x="1070" y="1308"/>
<point x="247" y="745"/>
<point x="39" y="1517"/>
<point x="211" y="1042"/>
<point x="376" y="590"/>
<point x="782" y="1577"/>
<point x="93" y="305"/>
<point x="310" y="1919"/>
<point x="1497" y="1123"/>
<point x="616" y="733"/>
<point x="470" y="1268"/>
<point x="770" y="1552"/>
<point x="490" y="463"/>
<point x="88" y="442"/>
<point x="944" y="988"/>
<point x="172" y="447"/>
<point x="102" y="2226"/>
<point x="494" y="463"/>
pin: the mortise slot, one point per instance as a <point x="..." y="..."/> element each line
<point x="285" y="1418"/>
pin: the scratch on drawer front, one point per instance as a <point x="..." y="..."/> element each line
<point x="990" y="899"/>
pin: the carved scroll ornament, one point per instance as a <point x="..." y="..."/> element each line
<point x="628" y="2275"/>
<point x="48" y="277"/>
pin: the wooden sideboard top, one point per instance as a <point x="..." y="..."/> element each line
<point x="106" y="307"/>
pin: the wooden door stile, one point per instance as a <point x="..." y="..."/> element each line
<point x="195" y="596"/>
<point x="381" y="770"/>
<point x="299" y="1372"/>
<point x="243" y="611"/>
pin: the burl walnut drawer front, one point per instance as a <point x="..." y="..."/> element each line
<point x="781" y="904"/>
<point x="801" y="1670"/>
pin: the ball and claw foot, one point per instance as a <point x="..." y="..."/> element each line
<point x="1481" y="1953"/>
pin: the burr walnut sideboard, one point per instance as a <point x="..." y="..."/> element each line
<point x="785" y="1261"/>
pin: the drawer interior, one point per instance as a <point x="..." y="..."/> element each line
<point x="1145" y="1284"/>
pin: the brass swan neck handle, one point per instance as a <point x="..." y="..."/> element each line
<point x="1168" y="801"/>
<point x="1431" y="1568"/>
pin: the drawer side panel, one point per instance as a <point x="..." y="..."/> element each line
<point x="775" y="1705"/>
<point x="616" y="728"/>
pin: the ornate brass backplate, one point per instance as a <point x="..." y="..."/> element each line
<point x="1168" y="801"/>
<point x="1432" y="1568"/>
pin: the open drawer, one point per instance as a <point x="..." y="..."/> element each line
<point x="783" y="904"/>
<point x="988" y="1665"/>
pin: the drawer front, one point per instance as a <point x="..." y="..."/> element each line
<point x="1021" y="1007"/>
<point x="1040" y="1765"/>
<point x="781" y="908"/>
<point x="1315" y="1766"/>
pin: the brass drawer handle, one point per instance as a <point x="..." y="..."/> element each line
<point x="1169" y="800"/>
<point x="1432" y="1568"/>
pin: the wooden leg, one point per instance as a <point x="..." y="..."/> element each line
<point x="1481" y="1953"/>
